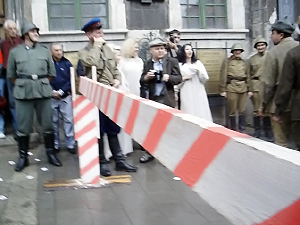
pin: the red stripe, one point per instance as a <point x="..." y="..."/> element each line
<point x="287" y="216"/>
<point x="93" y="163"/>
<point x="97" y="96"/>
<point x="118" y="107"/>
<point x="77" y="101"/>
<point x="107" y="101"/>
<point x="132" y="117"/>
<point x="86" y="129"/>
<point x="87" y="146"/>
<point x="227" y="132"/>
<point x="83" y="112"/>
<point x="96" y="180"/>
<point x="158" y="127"/>
<point x="93" y="94"/>
<point x="100" y="99"/>
<point x="200" y="155"/>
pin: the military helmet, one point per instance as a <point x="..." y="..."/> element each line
<point x="27" y="27"/>
<point x="260" y="40"/>
<point x="237" y="46"/>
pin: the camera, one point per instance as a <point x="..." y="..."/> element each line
<point x="158" y="76"/>
<point x="171" y="39"/>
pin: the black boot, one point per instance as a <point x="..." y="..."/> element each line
<point x="232" y="123"/>
<point x="256" y="122"/>
<point x="242" y="123"/>
<point x="268" y="129"/>
<point x="50" y="151"/>
<point x="104" y="170"/>
<point x="23" y="148"/>
<point x="121" y="164"/>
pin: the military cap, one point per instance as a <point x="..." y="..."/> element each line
<point x="283" y="27"/>
<point x="260" y="39"/>
<point x="27" y="27"/>
<point x="157" y="42"/>
<point x="237" y="46"/>
<point x="93" y="23"/>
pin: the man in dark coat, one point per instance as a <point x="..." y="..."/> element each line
<point x="289" y="89"/>
<point x="160" y="73"/>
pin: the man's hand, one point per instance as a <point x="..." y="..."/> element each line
<point x="116" y="83"/>
<point x="150" y="75"/>
<point x="165" y="77"/>
<point x="223" y="94"/>
<point x="56" y="95"/>
<point x="260" y="111"/>
<point x="277" y="119"/>
<point x="250" y="94"/>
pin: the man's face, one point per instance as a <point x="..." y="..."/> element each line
<point x="176" y="38"/>
<point x="276" y="37"/>
<point x="56" y="51"/>
<point x="33" y="35"/>
<point x="261" y="47"/>
<point x="237" y="53"/>
<point x="158" y="52"/>
<point x="95" y="32"/>
<point x="11" y="30"/>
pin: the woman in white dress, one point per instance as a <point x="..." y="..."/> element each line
<point x="193" y="97"/>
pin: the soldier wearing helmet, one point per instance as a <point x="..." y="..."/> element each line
<point x="30" y="68"/>
<point x="255" y="62"/>
<point x="271" y="74"/>
<point x="234" y="79"/>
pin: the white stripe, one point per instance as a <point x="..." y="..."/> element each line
<point x="87" y="119"/>
<point x="90" y="175"/>
<point x="112" y="104"/>
<point x="81" y="106"/>
<point x="86" y="137"/>
<point x="124" y="111"/>
<point x="88" y="156"/>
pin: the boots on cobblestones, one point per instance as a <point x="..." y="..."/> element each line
<point x="23" y="149"/>
<point x="50" y="151"/>
<point x="104" y="170"/>
<point x="121" y="164"/>
<point x="232" y="123"/>
<point x="242" y="123"/>
<point x="268" y="129"/>
<point x="256" y="122"/>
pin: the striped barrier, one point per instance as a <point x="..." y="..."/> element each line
<point x="86" y="124"/>
<point x="247" y="180"/>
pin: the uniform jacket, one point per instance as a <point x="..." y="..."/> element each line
<point x="170" y="67"/>
<point x="256" y="65"/>
<point x="25" y="61"/>
<point x="238" y="69"/>
<point x="272" y="71"/>
<point x="289" y="85"/>
<point x="101" y="56"/>
<point x="62" y="80"/>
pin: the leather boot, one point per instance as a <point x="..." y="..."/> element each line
<point x="23" y="149"/>
<point x="268" y="129"/>
<point x="121" y="164"/>
<point x="242" y="123"/>
<point x="256" y="122"/>
<point x="232" y="123"/>
<point x="104" y="170"/>
<point x="50" y="151"/>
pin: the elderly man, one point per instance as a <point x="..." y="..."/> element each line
<point x="99" y="54"/>
<point x="271" y="75"/>
<point x="288" y="91"/>
<point x="30" y="67"/>
<point x="160" y="74"/>
<point x="12" y="40"/>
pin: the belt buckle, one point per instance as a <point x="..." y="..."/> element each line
<point x="34" y="77"/>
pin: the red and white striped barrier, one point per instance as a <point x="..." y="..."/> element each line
<point x="248" y="180"/>
<point x="86" y="124"/>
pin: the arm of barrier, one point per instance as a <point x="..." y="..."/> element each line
<point x="248" y="180"/>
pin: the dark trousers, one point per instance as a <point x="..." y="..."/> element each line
<point x="107" y="125"/>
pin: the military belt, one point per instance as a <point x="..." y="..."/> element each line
<point x="230" y="78"/>
<point x="31" y="77"/>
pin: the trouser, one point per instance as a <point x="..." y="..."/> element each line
<point x="236" y="102"/>
<point x="107" y="125"/>
<point x="296" y="133"/>
<point x="25" y="115"/>
<point x="64" y="108"/>
<point x="256" y="101"/>
<point x="12" y="104"/>
<point x="2" y="122"/>
<point x="282" y="129"/>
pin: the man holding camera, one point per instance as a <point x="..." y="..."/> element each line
<point x="173" y="47"/>
<point x="160" y="73"/>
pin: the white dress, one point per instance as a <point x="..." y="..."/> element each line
<point x="193" y="97"/>
<point x="132" y="68"/>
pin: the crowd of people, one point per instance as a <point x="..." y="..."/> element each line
<point x="38" y="83"/>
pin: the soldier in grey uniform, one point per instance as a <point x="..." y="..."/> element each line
<point x="30" y="68"/>
<point x="234" y="79"/>
<point x="271" y="75"/>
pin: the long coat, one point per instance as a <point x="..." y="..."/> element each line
<point x="170" y="67"/>
<point x="272" y="71"/>
<point x="289" y="85"/>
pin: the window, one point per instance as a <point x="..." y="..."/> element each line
<point x="73" y="14"/>
<point x="203" y="14"/>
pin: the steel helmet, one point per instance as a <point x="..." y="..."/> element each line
<point x="260" y="39"/>
<point x="27" y="27"/>
<point x="237" y="46"/>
